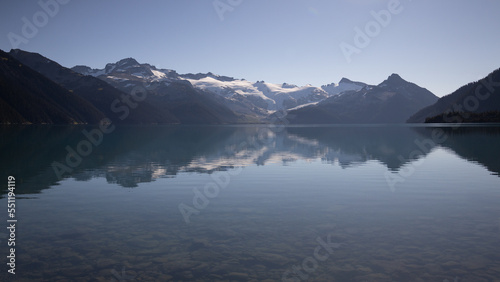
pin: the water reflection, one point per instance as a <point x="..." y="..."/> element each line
<point x="440" y="224"/>
<point x="132" y="155"/>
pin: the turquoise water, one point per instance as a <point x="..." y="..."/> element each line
<point x="228" y="203"/>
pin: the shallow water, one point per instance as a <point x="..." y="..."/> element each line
<point x="229" y="203"/>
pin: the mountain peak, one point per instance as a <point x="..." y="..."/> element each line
<point x="130" y="66"/>
<point x="127" y="62"/>
<point x="351" y="82"/>
<point x="345" y="80"/>
<point x="123" y="63"/>
<point x="82" y="69"/>
<point x="395" y="78"/>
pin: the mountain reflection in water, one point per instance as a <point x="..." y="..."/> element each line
<point x="137" y="154"/>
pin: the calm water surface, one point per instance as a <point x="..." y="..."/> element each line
<point x="250" y="203"/>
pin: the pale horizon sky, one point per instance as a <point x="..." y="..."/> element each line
<point x="439" y="45"/>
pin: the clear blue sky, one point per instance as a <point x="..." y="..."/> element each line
<point x="439" y="45"/>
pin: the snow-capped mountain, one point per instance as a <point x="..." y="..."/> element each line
<point x="392" y="101"/>
<point x="129" y="70"/>
<point x="246" y="97"/>
<point x="275" y="96"/>
<point x="110" y="100"/>
<point x="344" y="85"/>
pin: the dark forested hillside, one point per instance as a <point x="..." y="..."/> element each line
<point x="29" y="97"/>
<point x="469" y="100"/>
<point x="109" y="100"/>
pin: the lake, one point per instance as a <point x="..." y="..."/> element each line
<point x="253" y="203"/>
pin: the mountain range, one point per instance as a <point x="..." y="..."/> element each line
<point x="392" y="101"/>
<point x="252" y="100"/>
<point x="171" y="103"/>
<point x="35" y="89"/>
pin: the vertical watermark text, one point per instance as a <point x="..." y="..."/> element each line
<point x="11" y="222"/>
